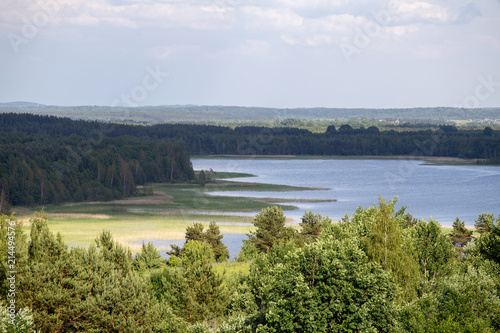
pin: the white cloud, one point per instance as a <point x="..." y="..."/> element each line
<point x="252" y="47"/>
<point x="163" y="52"/>
<point x="320" y="39"/>
<point x="83" y="20"/>
<point x="280" y="19"/>
<point x="419" y="11"/>
<point x="308" y="4"/>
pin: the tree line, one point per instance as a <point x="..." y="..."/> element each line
<point x="52" y="160"/>
<point x="376" y="270"/>
<point x="448" y="141"/>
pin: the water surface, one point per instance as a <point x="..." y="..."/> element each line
<point x="441" y="192"/>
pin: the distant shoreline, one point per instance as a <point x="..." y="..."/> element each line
<point x="430" y="159"/>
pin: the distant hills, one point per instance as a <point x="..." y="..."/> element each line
<point x="200" y="114"/>
<point x="19" y="104"/>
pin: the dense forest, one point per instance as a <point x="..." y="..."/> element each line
<point x="46" y="159"/>
<point x="52" y="160"/>
<point x="378" y="270"/>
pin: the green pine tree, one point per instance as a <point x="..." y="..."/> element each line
<point x="485" y="223"/>
<point x="271" y="230"/>
<point x="312" y="225"/>
<point x="460" y="236"/>
<point x="214" y="238"/>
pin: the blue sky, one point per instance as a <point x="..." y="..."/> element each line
<point x="274" y="53"/>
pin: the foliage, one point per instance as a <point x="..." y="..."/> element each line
<point x="485" y="223"/>
<point x="241" y="301"/>
<point x="433" y="249"/>
<point x="385" y="246"/>
<point x="52" y="160"/>
<point x="194" y="232"/>
<point x="90" y="290"/>
<point x="361" y="274"/>
<point x="214" y="238"/>
<point x="23" y="322"/>
<point x="488" y="244"/>
<point x="312" y="225"/>
<point x="271" y="230"/>
<point x="196" y="251"/>
<point x="12" y="243"/>
<point x="148" y="258"/>
<point x="466" y="301"/>
<point x="235" y="324"/>
<point x="405" y="219"/>
<point x="248" y="251"/>
<point x="460" y="236"/>
<point x="194" y="290"/>
<point x="334" y="287"/>
<point x="211" y="236"/>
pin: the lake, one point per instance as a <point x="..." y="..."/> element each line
<point x="232" y="241"/>
<point x="440" y="192"/>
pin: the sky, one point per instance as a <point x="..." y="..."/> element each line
<point x="272" y="53"/>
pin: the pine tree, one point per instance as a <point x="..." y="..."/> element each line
<point x="88" y="290"/>
<point x="271" y="230"/>
<point x="460" y="236"/>
<point x="211" y="236"/>
<point x="148" y="258"/>
<point x="312" y="225"/>
<point x="485" y="223"/>
<point x="194" y="290"/>
<point x="194" y="232"/>
<point x="214" y="238"/>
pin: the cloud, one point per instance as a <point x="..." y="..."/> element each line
<point x="279" y="19"/>
<point x="253" y="47"/>
<point x="163" y="52"/>
<point x="419" y="11"/>
<point x="468" y="13"/>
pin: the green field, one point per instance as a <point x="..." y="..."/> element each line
<point x="163" y="214"/>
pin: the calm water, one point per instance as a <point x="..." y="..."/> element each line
<point x="232" y="241"/>
<point x="443" y="192"/>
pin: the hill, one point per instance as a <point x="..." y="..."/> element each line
<point x="234" y="115"/>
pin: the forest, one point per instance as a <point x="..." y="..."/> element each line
<point x="48" y="159"/>
<point x="51" y="160"/>
<point x="378" y="270"/>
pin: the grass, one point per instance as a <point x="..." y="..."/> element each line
<point x="164" y="215"/>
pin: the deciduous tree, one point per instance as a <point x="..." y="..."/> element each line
<point x="384" y="245"/>
<point x="326" y="286"/>
<point x="433" y="250"/>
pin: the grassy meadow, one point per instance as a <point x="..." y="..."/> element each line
<point x="159" y="212"/>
